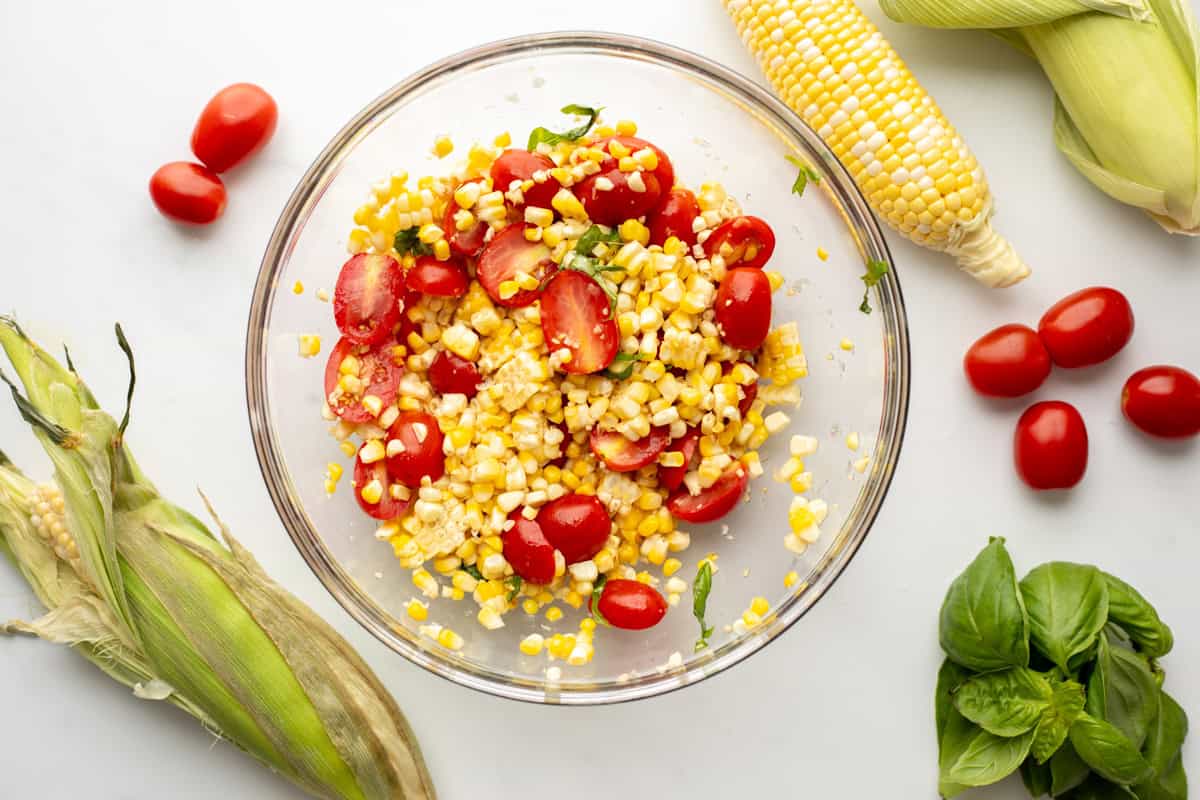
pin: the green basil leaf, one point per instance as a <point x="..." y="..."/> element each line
<point x="874" y="274"/>
<point x="594" y="236"/>
<point x="1006" y="703"/>
<point x="473" y="571"/>
<point x="953" y="739"/>
<point x="597" y="591"/>
<point x="1036" y="777"/>
<point x="806" y="174"/>
<point x="1066" y="704"/>
<point x="1122" y="691"/>
<point x="1096" y="788"/>
<point x="983" y="625"/>
<point x="621" y="366"/>
<point x="1067" y="605"/>
<point x="407" y="241"/>
<point x="1109" y="752"/>
<point x="514" y="587"/>
<point x="990" y="758"/>
<point x="1163" y="748"/>
<point x="700" y="589"/>
<point x="539" y="134"/>
<point x="1134" y="614"/>
<point x="950" y="677"/>
<point x="1169" y="784"/>
<point x="1067" y="770"/>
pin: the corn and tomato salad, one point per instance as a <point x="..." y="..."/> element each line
<point x="553" y="359"/>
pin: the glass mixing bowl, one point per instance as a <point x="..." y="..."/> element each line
<point x="716" y="125"/>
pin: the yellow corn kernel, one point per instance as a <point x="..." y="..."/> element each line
<point x="822" y="254"/>
<point x="790" y="579"/>
<point x="554" y="614"/>
<point x="372" y="492"/>
<point x="489" y="618"/>
<point x="626" y="127"/>
<point x="775" y="279"/>
<point x="618" y="149"/>
<point x="532" y="644"/>
<point x="750" y="619"/>
<point x="671" y="566"/>
<point x="760" y="606"/>
<point x="297" y="288"/>
<point x="567" y="204"/>
<point x="530" y="606"/>
<point x="441" y="250"/>
<point x="430" y="233"/>
<point x="417" y="610"/>
<point x="372" y="451"/>
<point x="310" y="345"/>
<point x="503" y="140"/>
<point x="442" y="146"/>
<point x="633" y="231"/>
<point x="541" y="217"/>
<point x="801" y="482"/>
<point x="627" y="164"/>
<point x="449" y="639"/>
<point x="571" y="480"/>
<point x="348" y="448"/>
<point x="800" y="518"/>
<point x="508" y="289"/>
<point x="573" y="599"/>
<point x="628" y="553"/>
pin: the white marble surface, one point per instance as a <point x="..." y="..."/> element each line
<point x="94" y="96"/>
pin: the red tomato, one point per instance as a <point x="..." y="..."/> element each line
<point x="577" y="524"/>
<point x="664" y="172"/>
<point x="450" y="374"/>
<point x="714" y="502"/>
<point x="422" y="455"/>
<point x="743" y="308"/>
<point x="234" y="125"/>
<point x="749" y="390"/>
<point x="576" y="315"/>
<point x="1008" y="362"/>
<point x="466" y="243"/>
<point x="674" y="216"/>
<point x="671" y="478"/>
<point x="631" y="605"/>
<point x="1163" y="401"/>
<point x="378" y="372"/>
<point x="437" y="278"/>
<point x="621" y="202"/>
<point x="519" y="165"/>
<point x="188" y="192"/>
<point x="366" y="299"/>
<point x="388" y="507"/>
<point x="1087" y="327"/>
<point x="528" y="551"/>
<point x="622" y="455"/>
<point x="507" y="254"/>
<point x="742" y="242"/>
<point x="1051" y="446"/>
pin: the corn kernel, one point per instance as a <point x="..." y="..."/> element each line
<point x="759" y="606"/>
<point x="532" y="644"/>
<point x="822" y="254"/>
<point x="671" y="566"/>
<point x="790" y="579"/>
<point x="489" y="618"/>
<point x="627" y="127"/>
<point x="775" y="279"/>
<point x="449" y="639"/>
<point x="554" y="614"/>
<point x="310" y="345"/>
<point x="442" y="146"/>
<point x="417" y="610"/>
<point x="503" y="140"/>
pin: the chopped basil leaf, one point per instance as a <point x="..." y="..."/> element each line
<point x="874" y="274"/>
<point x="700" y="590"/>
<point x="621" y="366"/>
<point x="539" y="135"/>
<point x="594" y="236"/>
<point x="514" y="587"/>
<point x="806" y="174"/>
<point x="406" y="241"/>
<point x="597" y="590"/>
<point x="473" y="571"/>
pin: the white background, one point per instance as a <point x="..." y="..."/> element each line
<point x="94" y="97"/>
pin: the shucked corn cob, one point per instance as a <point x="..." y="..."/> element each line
<point x="143" y="590"/>
<point x="828" y="62"/>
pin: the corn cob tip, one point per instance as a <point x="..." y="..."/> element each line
<point x="987" y="256"/>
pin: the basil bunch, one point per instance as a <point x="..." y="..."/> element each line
<point x="1055" y="676"/>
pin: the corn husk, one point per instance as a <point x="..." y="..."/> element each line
<point x="1125" y="75"/>
<point x="149" y="594"/>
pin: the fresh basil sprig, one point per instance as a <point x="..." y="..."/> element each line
<point x="407" y="241"/>
<point x="597" y="590"/>
<point x="539" y="135"/>
<point x="621" y="366"/>
<point x="875" y="271"/>
<point x="806" y="174"/>
<point x="700" y="589"/>
<point x="473" y="571"/>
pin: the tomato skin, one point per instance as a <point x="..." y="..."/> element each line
<point x="620" y="454"/>
<point x="437" y="278"/>
<point x="506" y="254"/>
<point x="388" y="507"/>
<point x="674" y="216"/>
<point x="366" y="299"/>
<point x="671" y="478"/>
<point x="451" y="374"/>
<point x="466" y="243"/>
<point x="714" y="502"/>
<point x="1163" y="401"/>
<point x="749" y="390"/>
<point x="664" y="172"/>
<point x="1010" y="361"/>
<point x="1050" y="446"/>
<point x="631" y="605"/>
<point x="614" y="206"/>
<point x="187" y="192"/>
<point x="741" y="234"/>
<point x="577" y="524"/>
<point x="422" y="457"/>
<point x="378" y="371"/>
<point x="743" y="308"/>
<point x="528" y="551"/>
<point x="235" y="125"/>
<point x="519" y="165"/>
<point x="1087" y="327"/>
<point x="576" y="315"/>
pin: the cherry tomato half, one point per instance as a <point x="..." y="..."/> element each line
<point x="388" y="506"/>
<point x="466" y="243"/>
<point x="508" y="253"/>
<point x="188" y="192"/>
<point x="577" y="524"/>
<point x="622" y="201"/>
<point x="1007" y="362"/>
<point x="437" y="278"/>
<point x="234" y="125"/>
<point x="631" y="605"/>
<point x="743" y="308"/>
<point x="714" y="502"/>
<point x="742" y="242"/>
<point x="1051" y="446"/>
<point x="620" y="454"/>
<point x="749" y="390"/>
<point x="519" y="165"/>
<point x="1163" y="401"/>
<point x="671" y="478"/>
<point x="366" y="299"/>
<point x="422" y="454"/>
<point x="576" y="315"/>
<point x="1087" y="327"/>
<point x="664" y="172"/>
<point x="674" y="216"/>
<point x="528" y="550"/>
<point x="451" y="374"/>
<point x="376" y="370"/>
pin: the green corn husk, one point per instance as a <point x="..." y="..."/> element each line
<point x="146" y="592"/>
<point x="1125" y="73"/>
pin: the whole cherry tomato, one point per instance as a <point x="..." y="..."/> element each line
<point x="1163" y="401"/>
<point x="743" y="308"/>
<point x="188" y="192"/>
<point x="620" y="454"/>
<point x="451" y="374"/>
<point x="622" y="199"/>
<point x="421" y="457"/>
<point x="742" y="242"/>
<point x="527" y="550"/>
<point x="519" y="165"/>
<point x="377" y="372"/>
<point x="366" y="298"/>
<point x="674" y="216"/>
<point x="234" y="125"/>
<point x="631" y="605"/>
<point x="508" y="253"/>
<point x="1051" y="446"/>
<point x="437" y="278"/>
<point x="577" y="524"/>
<point x="671" y="478"/>
<point x="576" y="315"/>
<point x="466" y="243"/>
<point x="387" y="507"/>
<point x="1007" y="362"/>
<point x="712" y="503"/>
<point x="1087" y="327"/>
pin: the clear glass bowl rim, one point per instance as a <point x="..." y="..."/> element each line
<point x="890" y="304"/>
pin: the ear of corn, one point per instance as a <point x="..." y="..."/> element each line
<point x="1127" y="113"/>
<point x="193" y="619"/>
<point x="830" y="64"/>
